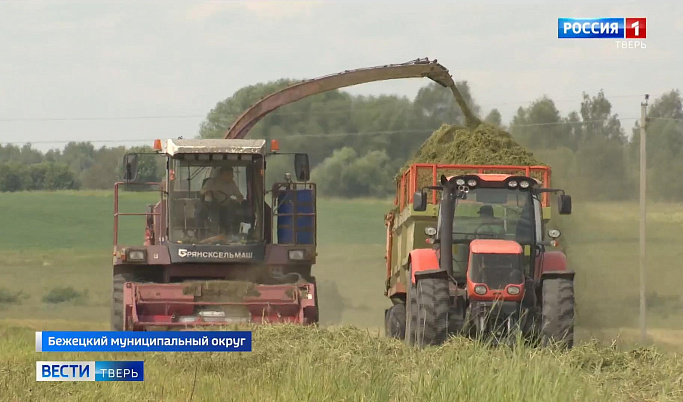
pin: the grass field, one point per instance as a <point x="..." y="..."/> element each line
<point x="58" y="239"/>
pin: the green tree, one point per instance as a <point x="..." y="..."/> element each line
<point x="346" y="174"/>
<point x="539" y="126"/>
<point x="664" y="146"/>
<point x="437" y="105"/>
<point x="105" y="171"/>
<point x="14" y="177"/>
<point x="598" y="120"/>
<point x="494" y="118"/>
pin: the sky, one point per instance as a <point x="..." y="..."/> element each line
<point x="127" y="72"/>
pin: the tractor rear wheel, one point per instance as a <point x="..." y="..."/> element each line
<point x="395" y="321"/>
<point x="117" y="298"/>
<point x="558" y="312"/>
<point x="433" y="305"/>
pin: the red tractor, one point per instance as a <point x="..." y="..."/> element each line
<point x="485" y="267"/>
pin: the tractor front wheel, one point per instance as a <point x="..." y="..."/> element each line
<point x="558" y="312"/>
<point x="432" y="305"/>
<point x="395" y="321"/>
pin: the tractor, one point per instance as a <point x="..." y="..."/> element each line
<point x="476" y="260"/>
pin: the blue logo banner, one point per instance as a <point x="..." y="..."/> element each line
<point x="590" y="28"/>
<point x="90" y="371"/>
<point x="151" y="341"/>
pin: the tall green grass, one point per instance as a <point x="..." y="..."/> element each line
<point x="291" y="363"/>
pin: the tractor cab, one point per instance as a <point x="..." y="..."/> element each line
<point x="494" y="206"/>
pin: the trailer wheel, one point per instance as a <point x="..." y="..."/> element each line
<point x="433" y="305"/>
<point x="395" y="321"/>
<point x="558" y="312"/>
<point x="117" y="298"/>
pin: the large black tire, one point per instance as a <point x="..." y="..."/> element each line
<point x="433" y="305"/>
<point x="117" y="297"/>
<point x="411" y="310"/>
<point x="558" y="312"/>
<point x="395" y="321"/>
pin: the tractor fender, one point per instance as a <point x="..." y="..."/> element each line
<point x="554" y="264"/>
<point x="424" y="262"/>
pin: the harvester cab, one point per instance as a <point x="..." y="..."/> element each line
<point x="489" y="269"/>
<point x="210" y="256"/>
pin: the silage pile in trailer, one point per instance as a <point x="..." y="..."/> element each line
<point x="477" y="144"/>
<point x="484" y="145"/>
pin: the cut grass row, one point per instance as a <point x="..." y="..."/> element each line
<point x="291" y="363"/>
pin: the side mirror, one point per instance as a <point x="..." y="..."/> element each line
<point x="420" y="201"/>
<point x="565" y="204"/>
<point x="301" y="167"/>
<point x="130" y="167"/>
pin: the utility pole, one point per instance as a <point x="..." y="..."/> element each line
<point x="643" y="175"/>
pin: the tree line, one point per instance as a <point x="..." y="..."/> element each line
<point x="358" y="143"/>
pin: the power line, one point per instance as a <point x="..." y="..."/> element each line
<point x="324" y="135"/>
<point x="276" y="113"/>
<point x="99" y="118"/>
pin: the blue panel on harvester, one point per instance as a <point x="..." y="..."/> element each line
<point x="300" y="201"/>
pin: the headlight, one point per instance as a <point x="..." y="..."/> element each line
<point x="512" y="183"/>
<point x="136" y="255"/>
<point x="513" y="290"/>
<point x="296" y="254"/>
<point x="430" y="231"/>
<point x="480" y="289"/>
<point x="471" y="182"/>
<point x="524" y="184"/>
<point x="554" y="233"/>
<point x="460" y="182"/>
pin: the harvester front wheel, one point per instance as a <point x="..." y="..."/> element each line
<point x="432" y="305"/>
<point x="558" y="312"/>
<point x="117" y="315"/>
<point x="395" y="321"/>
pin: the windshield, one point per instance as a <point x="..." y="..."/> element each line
<point x="496" y="213"/>
<point x="216" y="199"/>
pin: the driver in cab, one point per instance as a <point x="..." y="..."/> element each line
<point x="222" y="187"/>
<point x="490" y="225"/>
<point x="218" y="192"/>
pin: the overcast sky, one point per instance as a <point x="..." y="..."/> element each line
<point x="93" y="59"/>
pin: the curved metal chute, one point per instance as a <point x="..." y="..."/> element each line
<point x="413" y="69"/>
